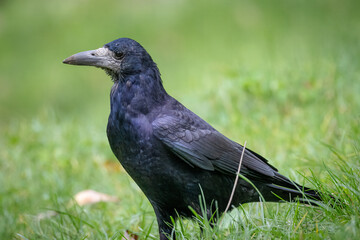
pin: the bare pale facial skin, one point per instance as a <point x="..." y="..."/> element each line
<point x="101" y="57"/>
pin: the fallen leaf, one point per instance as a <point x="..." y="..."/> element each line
<point x="113" y="166"/>
<point x="129" y="236"/>
<point x="87" y="197"/>
<point x="82" y="198"/>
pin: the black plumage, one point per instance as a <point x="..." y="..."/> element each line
<point x="168" y="150"/>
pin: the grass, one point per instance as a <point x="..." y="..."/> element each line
<point x="283" y="77"/>
<point x="44" y="171"/>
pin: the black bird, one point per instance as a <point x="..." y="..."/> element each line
<point x="169" y="151"/>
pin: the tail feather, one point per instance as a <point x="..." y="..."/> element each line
<point x="307" y="196"/>
<point x="288" y="190"/>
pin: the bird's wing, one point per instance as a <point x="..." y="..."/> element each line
<point x="197" y="143"/>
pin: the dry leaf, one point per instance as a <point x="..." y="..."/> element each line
<point x="129" y="236"/>
<point x="113" y="166"/>
<point x="82" y="198"/>
<point x="90" y="196"/>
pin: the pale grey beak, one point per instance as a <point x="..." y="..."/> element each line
<point x="87" y="58"/>
<point x="100" y="57"/>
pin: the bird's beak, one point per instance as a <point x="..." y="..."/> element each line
<point x="98" y="58"/>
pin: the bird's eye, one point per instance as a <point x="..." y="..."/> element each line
<point x="119" y="55"/>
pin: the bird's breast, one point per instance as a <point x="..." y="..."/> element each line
<point x="129" y="138"/>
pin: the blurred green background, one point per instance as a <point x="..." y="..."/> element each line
<point x="194" y="43"/>
<point x="283" y="75"/>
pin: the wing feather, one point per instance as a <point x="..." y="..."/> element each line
<point x="200" y="145"/>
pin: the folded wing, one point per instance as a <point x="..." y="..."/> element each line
<point x="200" y="145"/>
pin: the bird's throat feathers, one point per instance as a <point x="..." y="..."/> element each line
<point x="138" y="92"/>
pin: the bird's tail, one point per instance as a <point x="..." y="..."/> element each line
<point x="283" y="188"/>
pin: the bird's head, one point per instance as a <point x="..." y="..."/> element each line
<point x="118" y="58"/>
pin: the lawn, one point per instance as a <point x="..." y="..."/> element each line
<point x="284" y="77"/>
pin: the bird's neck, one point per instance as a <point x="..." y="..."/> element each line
<point x="138" y="93"/>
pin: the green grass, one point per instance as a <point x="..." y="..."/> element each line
<point x="48" y="160"/>
<point x="284" y="77"/>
